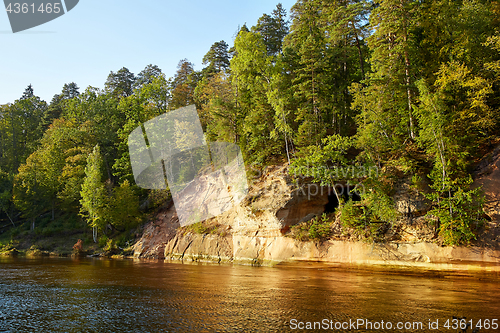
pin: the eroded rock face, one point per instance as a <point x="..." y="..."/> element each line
<point x="303" y="207"/>
<point x="195" y="247"/>
<point x="157" y="234"/>
<point x="487" y="175"/>
<point x="252" y="232"/>
<point x="274" y="203"/>
<point x="256" y="250"/>
<point x="409" y="202"/>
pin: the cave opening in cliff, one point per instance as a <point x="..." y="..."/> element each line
<point x="345" y="192"/>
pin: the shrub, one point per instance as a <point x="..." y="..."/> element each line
<point x="103" y="240"/>
<point x="367" y="221"/>
<point x="198" y="228"/>
<point x="459" y="212"/>
<point x="318" y="228"/>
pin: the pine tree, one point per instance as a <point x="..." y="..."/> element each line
<point x="147" y="75"/>
<point x="386" y="98"/>
<point x="216" y="59"/>
<point x="70" y="90"/>
<point x="28" y="92"/>
<point x="311" y="85"/>
<point x="393" y="56"/>
<point x="183" y="85"/>
<point x="123" y="207"/>
<point x="273" y="29"/>
<point x="121" y="83"/>
<point x="219" y="115"/>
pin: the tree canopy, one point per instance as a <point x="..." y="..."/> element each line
<point x="408" y="87"/>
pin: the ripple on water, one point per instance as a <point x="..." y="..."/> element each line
<point x="114" y="296"/>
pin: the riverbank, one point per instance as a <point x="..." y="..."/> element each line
<point x="281" y="222"/>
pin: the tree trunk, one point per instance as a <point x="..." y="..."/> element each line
<point x="360" y="53"/>
<point x="407" y="70"/>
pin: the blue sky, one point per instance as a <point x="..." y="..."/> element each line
<point x="97" y="37"/>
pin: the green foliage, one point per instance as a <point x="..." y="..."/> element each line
<point x="121" y="83"/>
<point x="216" y="59"/>
<point x="219" y="112"/>
<point x="370" y="216"/>
<point x="273" y="28"/>
<point x="363" y="220"/>
<point x="147" y="76"/>
<point x="20" y="129"/>
<point x="123" y="207"/>
<point x="323" y="163"/>
<point x="103" y="241"/>
<point x="94" y="197"/>
<point x="111" y="247"/>
<point x="183" y="85"/>
<point x="5" y="193"/>
<point x="415" y="91"/>
<point x="198" y="228"/>
<point x="494" y="43"/>
<point x="252" y="71"/>
<point x="353" y="216"/>
<point x="459" y="210"/>
<point x="317" y="229"/>
<point x="157" y="198"/>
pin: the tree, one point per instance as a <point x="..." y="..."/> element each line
<point x="306" y="48"/>
<point x="219" y="113"/>
<point x="70" y="90"/>
<point x="101" y="111"/>
<point x="183" y="85"/>
<point x="216" y="59"/>
<point x="386" y="99"/>
<point x="454" y="31"/>
<point x="121" y="83"/>
<point x="28" y="92"/>
<point x="393" y="55"/>
<point x="147" y="75"/>
<point x="148" y="102"/>
<point x="58" y="103"/>
<point x="123" y="207"/>
<point x="324" y="164"/>
<point x="35" y="186"/>
<point x="93" y="193"/>
<point x="6" y="194"/>
<point x="251" y="73"/>
<point x="21" y="129"/>
<point x="273" y="29"/>
<point x="69" y="144"/>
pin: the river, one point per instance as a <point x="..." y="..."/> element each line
<point x="100" y="295"/>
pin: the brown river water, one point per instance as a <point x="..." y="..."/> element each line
<point x="98" y="295"/>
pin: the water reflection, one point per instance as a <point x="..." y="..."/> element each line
<point x="64" y="295"/>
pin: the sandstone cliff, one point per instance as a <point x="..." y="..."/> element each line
<point x="257" y="231"/>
